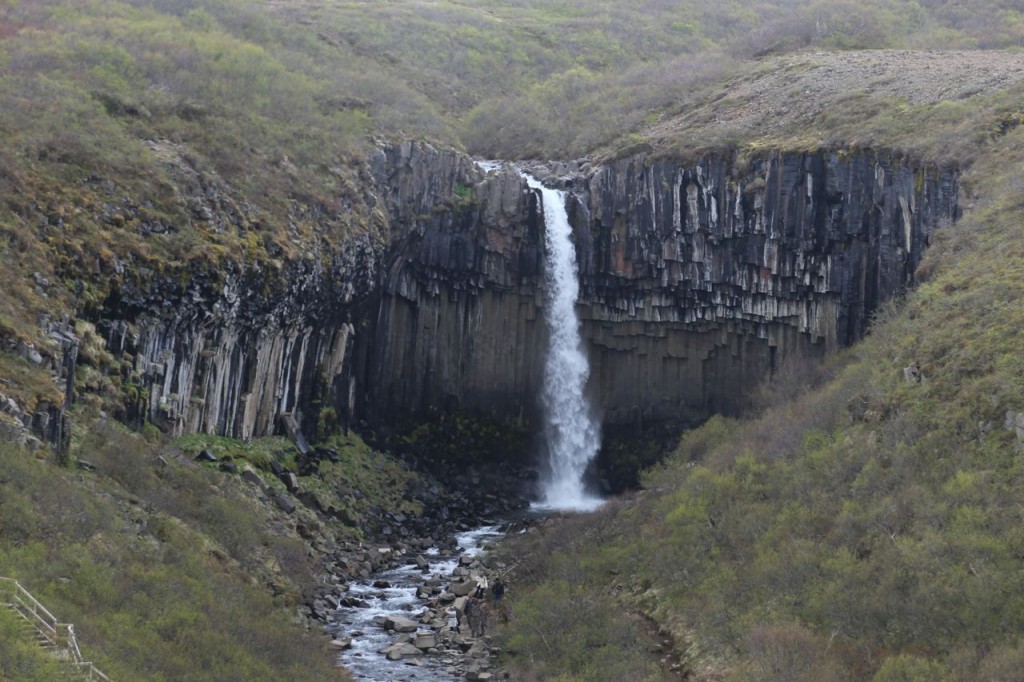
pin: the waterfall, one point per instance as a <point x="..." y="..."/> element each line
<point x="571" y="431"/>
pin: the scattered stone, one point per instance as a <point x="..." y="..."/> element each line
<point x="284" y="502"/>
<point x="206" y="456"/>
<point x="355" y="603"/>
<point x="397" y="652"/>
<point x="425" y="640"/>
<point x="341" y="643"/>
<point x="912" y="374"/>
<point x="1014" y="421"/>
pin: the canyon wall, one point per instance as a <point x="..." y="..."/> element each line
<point x="699" y="280"/>
<point x="233" y="360"/>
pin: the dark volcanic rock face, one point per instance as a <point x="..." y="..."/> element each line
<point x="231" y="361"/>
<point x="701" y="280"/>
<point x="455" y="322"/>
<point x="698" y="282"/>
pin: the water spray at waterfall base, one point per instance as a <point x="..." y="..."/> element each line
<point x="571" y="431"/>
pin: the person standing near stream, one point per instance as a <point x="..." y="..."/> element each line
<point x="497" y="593"/>
<point x="476" y="616"/>
<point x="498" y="590"/>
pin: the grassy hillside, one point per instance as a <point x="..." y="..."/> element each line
<point x="867" y="527"/>
<point x="866" y="522"/>
<point x="168" y="570"/>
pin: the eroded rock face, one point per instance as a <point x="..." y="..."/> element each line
<point x="454" y="323"/>
<point x="702" y="280"/>
<point x="698" y="281"/>
<point x="231" y="361"/>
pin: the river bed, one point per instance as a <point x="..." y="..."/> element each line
<point x="363" y="659"/>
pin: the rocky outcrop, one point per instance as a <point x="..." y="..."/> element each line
<point x="702" y="280"/>
<point x="48" y="421"/>
<point x="454" y="322"/>
<point x="233" y="361"/>
<point x="231" y="352"/>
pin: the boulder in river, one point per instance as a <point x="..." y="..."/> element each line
<point x="399" y="651"/>
<point x="400" y="624"/>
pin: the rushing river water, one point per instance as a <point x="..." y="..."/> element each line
<point x="363" y="659"/>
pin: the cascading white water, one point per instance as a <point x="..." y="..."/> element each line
<point x="571" y="430"/>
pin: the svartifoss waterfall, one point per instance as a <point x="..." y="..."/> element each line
<point x="571" y="431"/>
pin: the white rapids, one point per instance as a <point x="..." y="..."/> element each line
<point x="363" y="659"/>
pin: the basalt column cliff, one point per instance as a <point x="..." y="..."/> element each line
<point x="698" y="280"/>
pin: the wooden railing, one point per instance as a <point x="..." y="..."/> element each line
<point x="60" y="636"/>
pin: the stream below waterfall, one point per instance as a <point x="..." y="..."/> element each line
<point x="364" y="624"/>
<point x="400" y="624"/>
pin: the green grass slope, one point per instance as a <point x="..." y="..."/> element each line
<point x="168" y="571"/>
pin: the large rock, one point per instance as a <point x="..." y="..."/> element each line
<point x="397" y="652"/>
<point x="425" y="641"/>
<point x="461" y="589"/>
<point x="283" y="501"/>
<point x="400" y="624"/>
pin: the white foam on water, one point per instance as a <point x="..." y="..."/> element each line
<point x="363" y="659"/>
